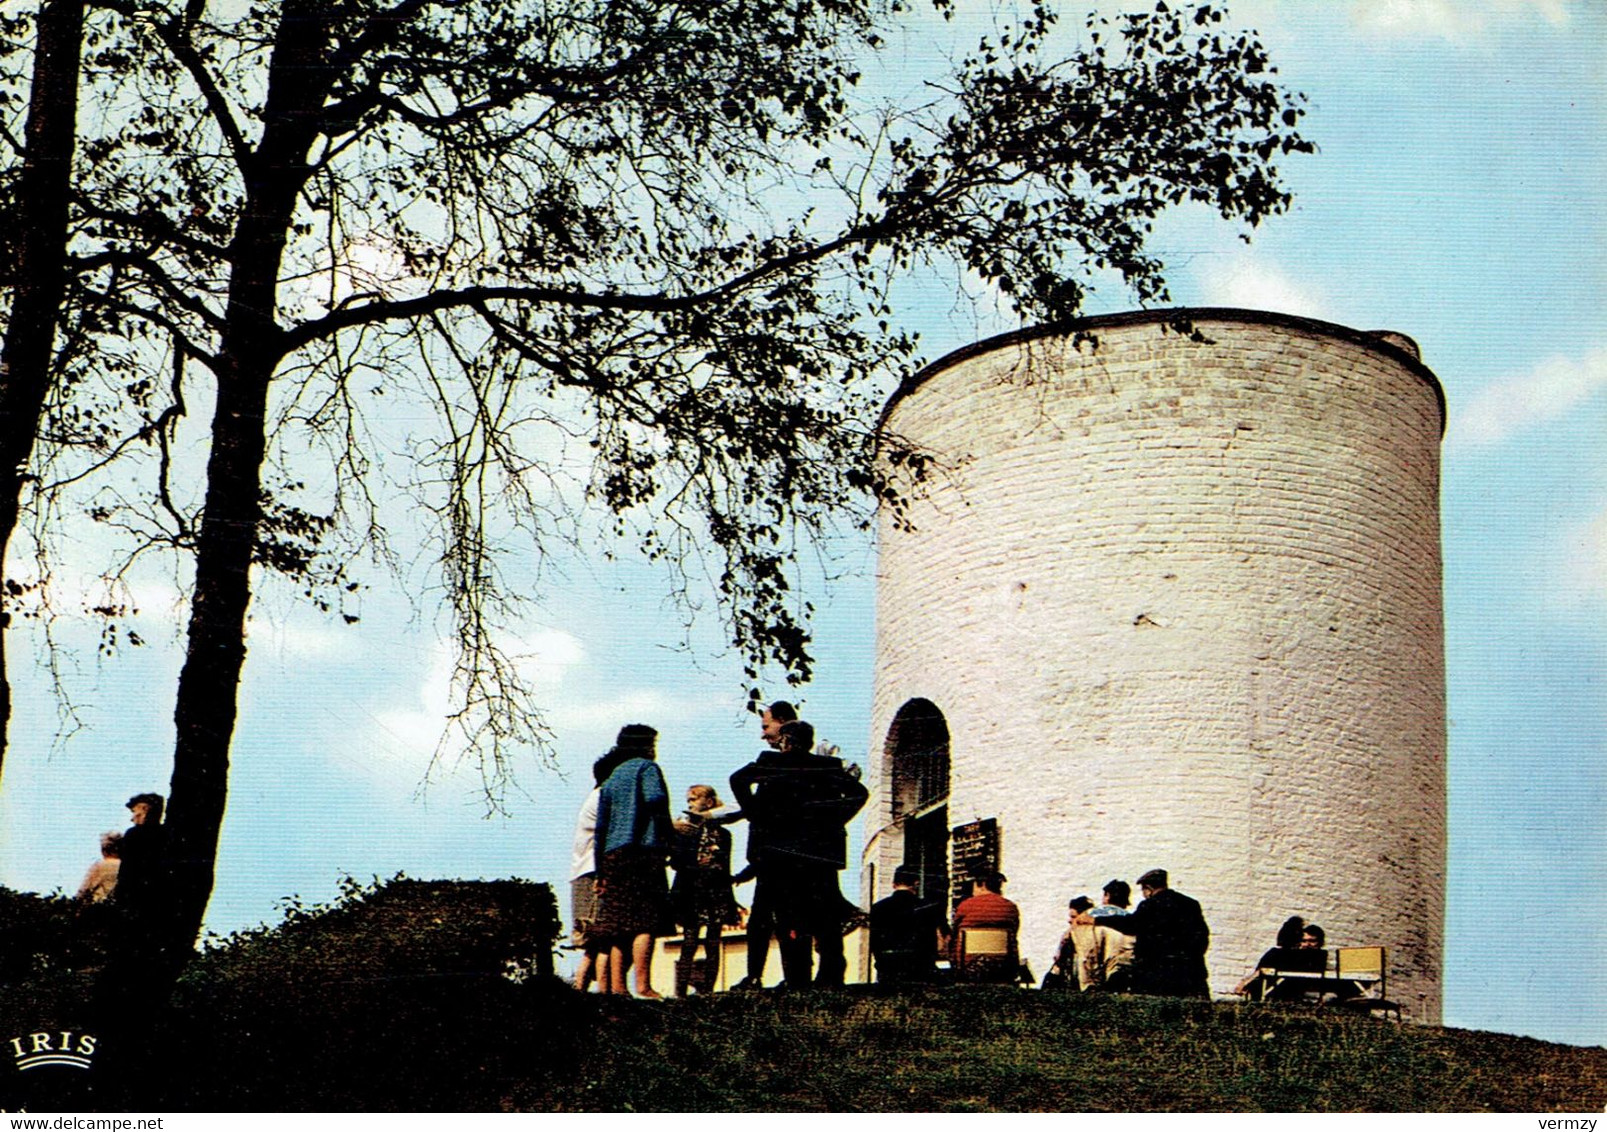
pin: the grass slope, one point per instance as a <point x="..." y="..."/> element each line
<point x="972" y="1049"/>
<point x="393" y="1001"/>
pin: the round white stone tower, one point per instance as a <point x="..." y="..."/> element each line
<point x="1172" y="599"/>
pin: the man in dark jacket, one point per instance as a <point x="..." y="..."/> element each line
<point x="141" y="954"/>
<point x="140" y="877"/>
<point x="906" y="933"/>
<point x="1170" y="938"/>
<point x="761" y="923"/>
<point x="798" y="804"/>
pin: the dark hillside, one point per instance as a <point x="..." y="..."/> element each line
<point x="398" y="999"/>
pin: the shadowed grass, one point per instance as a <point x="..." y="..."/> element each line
<point x="392" y="1001"/>
<point x="1001" y="1049"/>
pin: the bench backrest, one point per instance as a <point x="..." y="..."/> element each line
<point x="1359" y="962"/>
<point x="984" y="941"/>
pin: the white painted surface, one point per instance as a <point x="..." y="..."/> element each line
<point x="1179" y="604"/>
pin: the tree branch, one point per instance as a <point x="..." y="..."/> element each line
<point x="176" y="34"/>
<point x="205" y="357"/>
<point x="391" y="310"/>
<point x="157" y="224"/>
<point x="158" y="275"/>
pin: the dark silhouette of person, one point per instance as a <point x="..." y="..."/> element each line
<point x="141" y="879"/>
<point x="142" y="960"/>
<point x="906" y="932"/>
<point x="761" y="924"/>
<point x="798" y="804"/>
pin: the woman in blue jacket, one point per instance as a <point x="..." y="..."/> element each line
<point x="634" y="836"/>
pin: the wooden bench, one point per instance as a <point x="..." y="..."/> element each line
<point x="1355" y="980"/>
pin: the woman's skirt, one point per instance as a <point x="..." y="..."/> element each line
<point x="633" y="897"/>
<point x="583" y="909"/>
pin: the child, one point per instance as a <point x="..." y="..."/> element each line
<point x="701" y="894"/>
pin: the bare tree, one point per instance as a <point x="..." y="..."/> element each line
<point x="667" y="231"/>
<point x="35" y="274"/>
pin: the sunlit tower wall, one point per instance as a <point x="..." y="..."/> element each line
<point x="1172" y="599"/>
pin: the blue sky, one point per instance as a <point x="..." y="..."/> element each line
<point x="1458" y="197"/>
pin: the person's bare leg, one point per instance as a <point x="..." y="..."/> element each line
<point x="616" y="971"/>
<point x="641" y="949"/>
<point x="584" y="973"/>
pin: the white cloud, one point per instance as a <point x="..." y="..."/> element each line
<point x="1250" y="281"/>
<point x="590" y="714"/>
<point x="1585" y="561"/>
<point x="155" y="609"/>
<point x="583" y="707"/>
<point x="542" y="660"/>
<point x="303" y="641"/>
<point x="1457" y="21"/>
<point x="1550" y="390"/>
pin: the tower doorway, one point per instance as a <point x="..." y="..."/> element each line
<point x="918" y="756"/>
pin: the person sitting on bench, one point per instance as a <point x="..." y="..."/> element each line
<point x="1299" y="948"/>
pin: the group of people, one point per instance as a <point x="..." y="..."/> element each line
<point x="797" y="803"/>
<point x="908" y="934"/>
<point x="1157" y="948"/>
<point x="126" y="899"/>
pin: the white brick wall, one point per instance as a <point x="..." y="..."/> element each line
<point x="1179" y="604"/>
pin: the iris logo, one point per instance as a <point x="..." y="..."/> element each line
<point x="63" y="1047"/>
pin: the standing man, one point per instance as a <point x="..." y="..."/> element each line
<point x="1170" y="938"/>
<point x="142" y="958"/>
<point x="906" y="934"/>
<point x="761" y="917"/>
<point x="798" y="804"/>
<point x="141" y="875"/>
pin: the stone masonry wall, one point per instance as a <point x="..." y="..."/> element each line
<point x="1179" y="604"/>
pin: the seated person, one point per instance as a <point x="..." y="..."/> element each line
<point x="1109" y="961"/>
<point x="1066" y="971"/>
<point x="986" y="907"/>
<point x="1313" y="949"/>
<point x="906" y="933"/>
<point x="1299" y="948"/>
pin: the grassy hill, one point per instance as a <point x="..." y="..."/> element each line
<point x="396" y="1000"/>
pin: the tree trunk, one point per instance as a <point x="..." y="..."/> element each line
<point x="206" y="705"/>
<point x="251" y="347"/>
<point x="40" y="277"/>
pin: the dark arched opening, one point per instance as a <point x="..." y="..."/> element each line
<point x="918" y="763"/>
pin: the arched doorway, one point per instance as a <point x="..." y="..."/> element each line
<point x="917" y="752"/>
